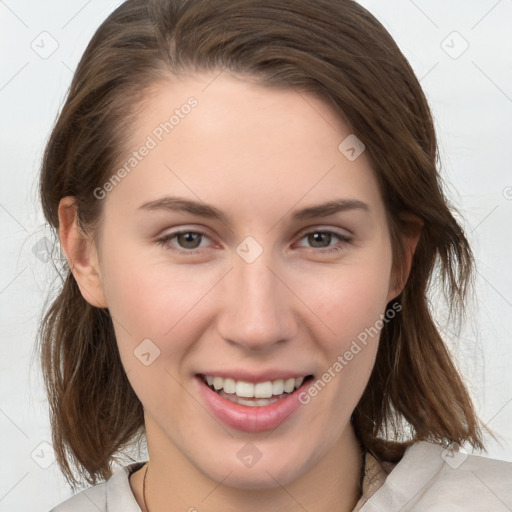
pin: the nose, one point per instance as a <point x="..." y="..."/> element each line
<point x="257" y="308"/>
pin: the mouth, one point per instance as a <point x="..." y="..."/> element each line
<point x="254" y="394"/>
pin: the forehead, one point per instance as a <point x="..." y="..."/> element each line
<point x="217" y="137"/>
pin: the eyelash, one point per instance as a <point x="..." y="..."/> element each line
<point x="344" y="239"/>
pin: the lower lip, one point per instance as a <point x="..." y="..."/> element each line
<point x="247" y="418"/>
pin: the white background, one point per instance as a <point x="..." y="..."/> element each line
<point x="471" y="98"/>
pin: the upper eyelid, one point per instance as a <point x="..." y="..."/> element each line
<point x="315" y="229"/>
<point x="308" y="229"/>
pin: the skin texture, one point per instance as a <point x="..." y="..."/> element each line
<point x="258" y="154"/>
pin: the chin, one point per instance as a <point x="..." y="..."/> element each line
<point x="277" y="467"/>
<point x="254" y="478"/>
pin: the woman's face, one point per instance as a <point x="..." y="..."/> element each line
<point x="219" y="258"/>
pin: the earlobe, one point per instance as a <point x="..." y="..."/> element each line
<point x="81" y="254"/>
<point x="411" y="235"/>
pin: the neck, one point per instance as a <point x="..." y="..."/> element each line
<point x="174" y="484"/>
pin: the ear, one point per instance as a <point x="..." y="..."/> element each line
<point x="81" y="254"/>
<point x="411" y="233"/>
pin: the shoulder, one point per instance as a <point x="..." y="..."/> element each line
<point x="113" y="495"/>
<point x="432" y="478"/>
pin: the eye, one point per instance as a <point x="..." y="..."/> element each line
<point x="188" y="240"/>
<point x="321" y="240"/>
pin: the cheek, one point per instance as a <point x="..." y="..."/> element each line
<point x="351" y="303"/>
<point x="155" y="324"/>
<point x="160" y="303"/>
<point x="152" y="298"/>
<point x="353" y="313"/>
<point x="349" y="299"/>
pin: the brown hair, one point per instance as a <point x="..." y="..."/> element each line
<point x="334" y="49"/>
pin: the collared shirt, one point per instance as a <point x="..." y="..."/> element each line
<point x="428" y="478"/>
<point x="375" y="474"/>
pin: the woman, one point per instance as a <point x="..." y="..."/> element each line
<point x="247" y="197"/>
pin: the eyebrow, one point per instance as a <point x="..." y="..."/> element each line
<point x="179" y="204"/>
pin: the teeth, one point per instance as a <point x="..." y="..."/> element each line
<point x="278" y="387"/>
<point x="244" y="389"/>
<point x="218" y="383"/>
<point x="261" y="402"/>
<point x="261" y="390"/>
<point x="229" y="386"/>
<point x="289" y="385"/>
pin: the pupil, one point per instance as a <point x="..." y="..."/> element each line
<point x="317" y="237"/>
<point x="189" y="238"/>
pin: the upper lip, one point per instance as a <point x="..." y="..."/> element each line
<point x="256" y="376"/>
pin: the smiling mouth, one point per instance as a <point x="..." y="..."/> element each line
<point x="254" y="394"/>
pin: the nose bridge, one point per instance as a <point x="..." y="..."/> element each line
<point x="257" y="310"/>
